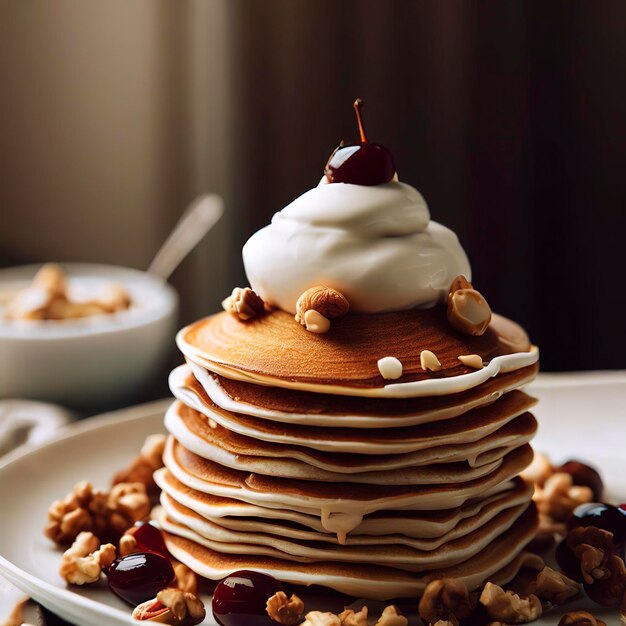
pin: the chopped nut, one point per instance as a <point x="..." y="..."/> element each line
<point x="186" y="578"/>
<point x="351" y="618"/>
<point x="539" y="470"/>
<point x="508" y="607"/>
<point x="468" y="310"/>
<point x="429" y="361"/>
<point x="326" y="301"/>
<point x="317" y="618"/>
<point x="141" y="470"/>
<point x="84" y="509"/>
<point x="555" y="587"/>
<point x="559" y="496"/>
<point x="445" y="598"/>
<point x="584" y="475"/>
<point x="285" y="610"/>
<point x="580" y="618"/>
<point x="391" y="616"/>
<point x="128" y="503"/>
<point x="315" y="322"/>
<point x="171" y="606"/>
<point x="128" y="545"/>
<point x="244" y="304"/>
<point x="84" y="561"/>
<point x="609" y="590"/>
<point x="390" y="368"/>
<point x="474" y="361"/>
<point x="593" y="547"/>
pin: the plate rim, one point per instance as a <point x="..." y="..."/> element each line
<point x="44" y="589"/>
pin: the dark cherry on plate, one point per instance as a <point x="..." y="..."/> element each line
<point x="240" y="599"/>
<point x="140" y="576"/>
<point x="149" y="538"/>
<point x="362" y="163"/>
<point x="602" y="516"/>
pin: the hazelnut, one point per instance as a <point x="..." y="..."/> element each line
<point x="468" y="311"/>
<point x="315" y="322"/>
<point x="326" y="301"/>
<point x="580" y="618"/>
<point x="244" y="304"/>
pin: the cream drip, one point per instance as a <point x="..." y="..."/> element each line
<point x="376" y="245"/>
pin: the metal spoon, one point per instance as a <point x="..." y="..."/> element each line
<point x="198" y="219"/>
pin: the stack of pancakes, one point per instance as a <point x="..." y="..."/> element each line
<point x="290" y="454"/>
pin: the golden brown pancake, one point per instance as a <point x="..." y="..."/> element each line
<point x="277" y="348"/>
<point x="464" y="462"/>
<point x="366" y="581"/>
<point x="293" y="406"/>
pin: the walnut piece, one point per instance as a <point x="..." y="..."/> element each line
<point x="315" y="322"/>
<point x="317" y="618"/>
<point x="244" y="304"/>
<point x="171" y="606"/>
<point x="593" y="547"/>
<point x="445" y="598"/>
<point x="508" y="607"/>
<point x="554" y="586"/>
<point x="351" y="618"/>
<point x="84" y="561"/>
<point x="285" y="610"/>
<point x="609" y="590"/>
<point x="391" y="616"/>
<point x="105" y="515"/>
<point x="326" y="301"/>
<point x="141" y="470"/>
<point x="559" y="496"/>
<point x="580" y="618"/>
<point x="429" y="361"/>
<point x="468" y="311"/>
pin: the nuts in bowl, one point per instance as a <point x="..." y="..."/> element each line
<point x="83" y="335"/>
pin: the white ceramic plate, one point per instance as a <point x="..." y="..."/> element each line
<point x="580" y="415"/>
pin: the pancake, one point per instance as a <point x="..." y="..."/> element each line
<point x="499" y="562"/>
<point x="239" y="515"/>
<point x="300" y="407"/>
<point x="471" y="518"/>
<point x="464" y="463"/>
<point x="468" y="428"/>
<point x="400" y="556"/>
<point x="344" y="361"/>
<point x="341" y="506"/>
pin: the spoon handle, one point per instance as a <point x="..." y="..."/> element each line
<point x="195" y="223"/>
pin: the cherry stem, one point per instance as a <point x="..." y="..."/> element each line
<point x="358" y="103"/>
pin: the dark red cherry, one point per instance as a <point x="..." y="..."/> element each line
<point x="602" y="516"/>
<point x="363" y="163"/>
<point x="240" y="599"/>
<point x="149" y="538"/>
<point x="584" y="475"/>
<point x="140" y="576"/>
<point x="568" y="563"/>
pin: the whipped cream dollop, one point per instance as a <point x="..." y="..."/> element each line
<point x="376" y="245"/>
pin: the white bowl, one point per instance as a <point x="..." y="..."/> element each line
<point x="98" y="361"/>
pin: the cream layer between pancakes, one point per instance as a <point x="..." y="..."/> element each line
<point x="444" y="408"/>
<point x="415" y="532"/>
<point x="400" y="556"/>
<point x="473" y="460"/>
<point x="243" y="516"/>
<point x="499" y="562"/>
<point x="340" y="506"/>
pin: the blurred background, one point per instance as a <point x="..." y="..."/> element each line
<point x="509" y="117"/>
